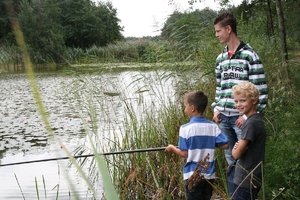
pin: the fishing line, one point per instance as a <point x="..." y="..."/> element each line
<point x="85" y="156"/>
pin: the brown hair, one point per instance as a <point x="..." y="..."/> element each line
<point x="226" y="19"/>
<point x="198" y="99"/>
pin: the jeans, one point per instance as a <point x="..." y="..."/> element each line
<point x="245" y="193"/>
<point x="201" y="191"/>
<point x="233" y="133"/>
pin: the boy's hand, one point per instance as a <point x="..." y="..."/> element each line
<point x="170" y="148"/>
<point x="240" y="121"/>
<point x="216" y="117"/>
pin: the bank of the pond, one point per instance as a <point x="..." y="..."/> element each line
<point x="93" y="67"/>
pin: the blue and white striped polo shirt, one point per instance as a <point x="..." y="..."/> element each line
<point x="200" y="137"/>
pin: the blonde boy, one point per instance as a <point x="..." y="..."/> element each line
<point x="249" y="151"/>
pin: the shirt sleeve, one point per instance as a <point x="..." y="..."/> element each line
<point x="258" y="78"/>
<point x="221" y="140"/>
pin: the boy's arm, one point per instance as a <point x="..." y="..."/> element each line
<point x="225" y="146"/>
<point x="179" y="152"/>
<point x="222" y="141"/>
<point x="239" y="148"/>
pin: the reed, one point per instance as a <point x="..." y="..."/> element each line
<point x="152" y="117"/>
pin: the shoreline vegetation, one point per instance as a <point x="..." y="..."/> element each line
<point x="157" y="175"/>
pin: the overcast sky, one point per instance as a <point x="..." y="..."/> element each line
<point x="146" y="17"/>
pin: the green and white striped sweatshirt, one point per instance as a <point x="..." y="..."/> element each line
<point x="244" y="65"/>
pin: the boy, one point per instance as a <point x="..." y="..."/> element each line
<point x="250" y="149"/>
<point x="237" y="63"/>
<point x="197" y="142"/>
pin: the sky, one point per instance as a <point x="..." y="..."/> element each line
<point x="146" y="17"/>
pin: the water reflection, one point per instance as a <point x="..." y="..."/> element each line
<point x="23" y="137"/>
<point x="21" y="127"/>
<point x="68" y="102"/>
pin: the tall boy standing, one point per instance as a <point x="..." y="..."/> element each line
<point x="197" y="142"/>
<point x="250" y="149"/>
<point x="237" y="63"/>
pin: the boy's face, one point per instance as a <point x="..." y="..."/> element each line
<point x="244" y="104"/>
<point x="222" y="33"/>
<point x="188" y="109"/>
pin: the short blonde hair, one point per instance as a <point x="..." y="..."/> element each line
<point x="248" y="88"/>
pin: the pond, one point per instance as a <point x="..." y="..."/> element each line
<point x="70" y="102"/>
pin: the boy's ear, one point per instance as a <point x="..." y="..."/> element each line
<point x="255" y="102"/>
<point x="193" y="108"/>
<point x="228" y="28"/>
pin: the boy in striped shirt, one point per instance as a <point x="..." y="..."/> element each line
<point x="198" y="140"/>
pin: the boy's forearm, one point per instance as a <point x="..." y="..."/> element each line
<point x="179" y="152"/>
<point x="239" y="148"/>
<point x="225" y="146"/>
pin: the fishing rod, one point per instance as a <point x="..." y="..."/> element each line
<point x="85" y="156"/>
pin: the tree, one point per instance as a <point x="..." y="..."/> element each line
<point x="270" y="19"/>
<point x="49" y="26"/>
<point x="41" y="29"/>
<point x="187" y="32"/>
<point x="109" y="22"/>
<point x="291" y="9"/>
<point x="187" y="26"/>
<point x="282" y="31"/>
<point x="86" y="24"/>
<point x="6" y="33"/>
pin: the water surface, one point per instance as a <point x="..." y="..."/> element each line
<point x="69" y="102"/>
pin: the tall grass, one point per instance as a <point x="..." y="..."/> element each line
<point x="128" y="51"/>
<point x="152" y="117"/>
<point x="10" y="58"/>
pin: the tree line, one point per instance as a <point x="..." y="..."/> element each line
<point x="59" y="29"/>
<point x="51" y="26"/>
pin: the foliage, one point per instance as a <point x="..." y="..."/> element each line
<point x="73" y="55"/>
<point x="253" y="15"/>
<point x="6" y="32"/>
<point x="291" y="11"/>
<point x="10" y="55"/>
<point x="281" y="180"/>
<point x="129" y="51"/>
<point x="86" y="24"/>
<point x="51" y="26"/>
<point x="187" y="32"/>
<point x="185" y="26"/>
<point x="38" y="20"/>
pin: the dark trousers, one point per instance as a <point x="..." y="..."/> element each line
<point x="202" y="191"/>
<point x="245" y="193"/>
